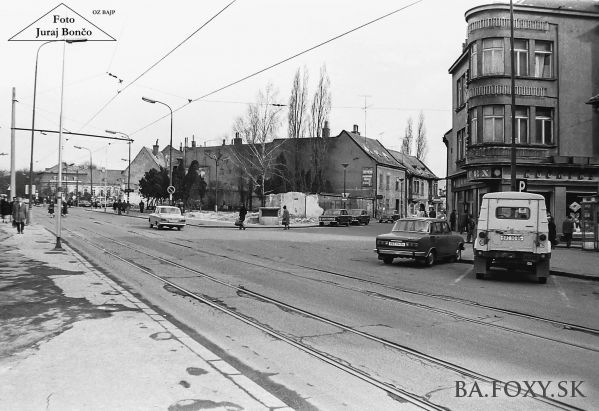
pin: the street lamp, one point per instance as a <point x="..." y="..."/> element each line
<point x="91" y="172"/>
<point x="33" y="119"/>
<point x="217" y="158"/>
<point x="170" y="150"/>
<point x="344" y="174"/>
<point x="128" y="168"/>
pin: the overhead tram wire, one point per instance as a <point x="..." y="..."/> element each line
<point x="155" y="64"/>
<point x="282" y="61"/>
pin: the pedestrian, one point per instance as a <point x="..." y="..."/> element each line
<point x="114" y="206"/>
<point x="64" y="209"/>
<point x="127" y="207"/>
<point x="119" y="206"/>
<point x="421" y="211"/>
<point x="285" y="218"/>
<point x="5" y="210"/>
<point x="552" y="230"/>
<point x="567" y="230"/>
<point x="470" y="227"/>
<point x="141" y="206"/>
<point x="51" y="208"/>
<point x="452" y="220"/>
<point x="432" y="213"/>
<point x="242" y="213"/>
<point x="19" y="215"/>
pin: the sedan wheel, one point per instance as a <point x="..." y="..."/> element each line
<point x="151" y="225"/>
<point x="458" y="255"/>
<point x="430" y="259"/>
<point x="387" y="259"/>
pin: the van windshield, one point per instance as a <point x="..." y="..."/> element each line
<point x="512" y="213"/>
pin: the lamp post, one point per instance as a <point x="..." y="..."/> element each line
<point x="217" y="159"/>
<point x="33" y="117"/>
<point x="170" y="150"/>
<point x="91" y="172"/>
<point x="129" y="167"/>
<point x="344" y="175"/>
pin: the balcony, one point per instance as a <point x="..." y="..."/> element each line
<point x="482" y="154"/>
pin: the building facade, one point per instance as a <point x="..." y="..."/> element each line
<point x="556" y="60"/>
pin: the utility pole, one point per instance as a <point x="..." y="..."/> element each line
<point x="13" y="177"/>
<point x="217" y="159"/>
<point x="513" y="102"/>
<point x="365" y="108"/>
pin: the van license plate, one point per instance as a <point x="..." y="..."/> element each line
<point x="512" y="238"/>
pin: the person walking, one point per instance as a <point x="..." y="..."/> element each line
<point x="242" y="213"/>
<point x="452" y="220"/>
<point x="567" y="230"/>
<point x="64" y="209"/>
<point x="141" y="206"/>
<point x="285" y="218"/>
<point x="552" y="230"/>
<point x="19" y="215"/>
<point x="432" y="213"/>
<point x="51" y="208"/>
<point x="5" y="209"/>
<point x="470" y="227"/>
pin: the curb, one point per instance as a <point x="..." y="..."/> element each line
<point x="555" y="272"/>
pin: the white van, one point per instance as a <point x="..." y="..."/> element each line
<point x="513" y="232"/>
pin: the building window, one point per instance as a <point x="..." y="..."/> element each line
<point x="422" y="188"/>
<point x="521" y="57"/>
<point x="473" y="60"/>
<point x="474" y="126"/>
<point x="522" y="125"/>
<point x="544" y="126"/>
<point x="387" y="182"/>
<point x="416" y="186"/>
<point x="493" y="124"/>
<point x="381" y="181"/>
<point x="493" y="56"/>
<point x="397" y="184"/>
<point x="461" y="91"/>
<point x="543" y="59"/>
<point x="460" y="144"/>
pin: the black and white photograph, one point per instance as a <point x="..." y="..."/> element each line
<point x="299" y="205"/>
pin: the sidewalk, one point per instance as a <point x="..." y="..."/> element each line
<point x="566" y="262"/>
<point x="72" y="339"/>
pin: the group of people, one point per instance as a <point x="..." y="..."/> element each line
<point x="243" y="212"/>
<point x="121" y="207"/>
<point x="64" y="210"/>
<point x="15" y="212"/>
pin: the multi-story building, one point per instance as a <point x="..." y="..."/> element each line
<point x="556" y="60"/>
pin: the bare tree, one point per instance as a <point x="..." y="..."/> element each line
<point x="297" y="122"/>
<point x="257" y="158"/>
<point x="321" y="104"/>
<point x="421" y="145"/>
<point x="406" y="143"/>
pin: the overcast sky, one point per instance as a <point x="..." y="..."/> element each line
<point x="400" y="62"/>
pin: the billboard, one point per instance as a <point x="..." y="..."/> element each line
<point x="367" y="173"/>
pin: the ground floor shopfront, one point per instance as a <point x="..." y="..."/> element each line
<point x="563" y="190"/>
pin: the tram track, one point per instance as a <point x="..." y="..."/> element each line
<point x="420" y="401"/>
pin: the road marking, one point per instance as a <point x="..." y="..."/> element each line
<point x="457" y="280"/>
<point x="561" y="291"/>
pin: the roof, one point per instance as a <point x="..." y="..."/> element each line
<point x="556" y="6"/>
<point x="375" y="150"/>
<point x="413" y="165"/>
<point x="158" y="158"/>
<point x="514" y="195"/>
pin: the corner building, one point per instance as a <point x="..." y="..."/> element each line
<point x="556" y="70"/>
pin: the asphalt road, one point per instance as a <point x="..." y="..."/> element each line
<point x="442" y="312"/>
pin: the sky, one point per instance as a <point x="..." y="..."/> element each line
<point x="400" y="63"/>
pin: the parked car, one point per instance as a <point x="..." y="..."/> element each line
<point x="389" y="217"/>
<point x="513" y="232"/>
<point x="167" y="216"/>
<point x="359" y="216"/>
<point x="85" y="203"/>
<point x="335" y="216"/>
<point x="424" y="239"/>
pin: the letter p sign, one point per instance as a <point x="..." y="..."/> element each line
<point x="522" y="185"/>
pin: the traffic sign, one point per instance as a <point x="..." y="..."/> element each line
<point x="170" y="189"/>
<point x="522" y="185"/>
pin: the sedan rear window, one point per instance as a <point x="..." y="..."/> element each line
<point x="169" y="210"/>
<point x="512" y="213"/>
<point x="418" y="226"/>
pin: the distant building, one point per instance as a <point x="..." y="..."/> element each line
<point x="556" y="69"/>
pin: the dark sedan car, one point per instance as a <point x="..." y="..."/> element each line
<point x="335" y="216"/>
<point x="424" y="239"/>
<point x="359" y="216"/>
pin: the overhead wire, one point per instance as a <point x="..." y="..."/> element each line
<point x="156" y="63"/>
<point x="280" y="62"/>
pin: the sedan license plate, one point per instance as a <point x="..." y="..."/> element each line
<point x="397" y="243"/>
<point x="512" y="238"/>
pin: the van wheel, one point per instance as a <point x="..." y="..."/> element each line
<point x="480" y="276"/>
<point x="430" y="259"/>
<point x="387" y="259"/>
<point x="542" y="280"/>
<point x="321" y="224"/>
<point x="178" y="228"/>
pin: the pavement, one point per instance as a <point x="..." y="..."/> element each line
<point x="60" y="321"/>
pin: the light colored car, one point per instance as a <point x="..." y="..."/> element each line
<point x="167" y="216"/>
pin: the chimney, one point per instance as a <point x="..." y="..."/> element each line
<point x="155" y="148"/>
<point x="180" y="146"/>
<point x="224" y="141"/>
<point x="237" y="140"/>
<point x="193" y="141"/>
<point x="356" y="131"/>
<point x="326" y="131"/>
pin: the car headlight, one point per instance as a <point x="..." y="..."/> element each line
<point x="542" y="237"/>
